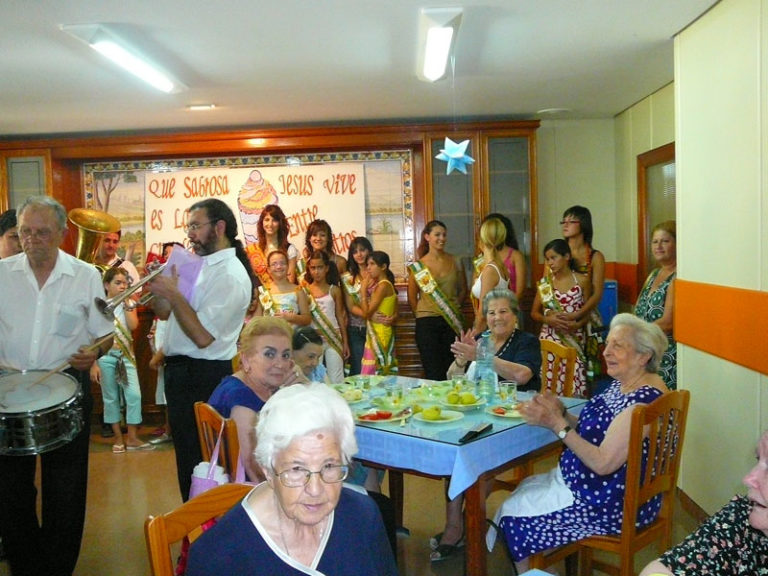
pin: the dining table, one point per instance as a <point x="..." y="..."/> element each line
<point x="409" y="442"/>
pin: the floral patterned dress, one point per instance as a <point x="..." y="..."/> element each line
<point x="725" y="544"/>
<point x="650" y="307"/>
<point x="598" y="500"/>
<point x="570" y="301"/>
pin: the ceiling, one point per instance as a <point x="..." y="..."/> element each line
<point x="298" y="62"/>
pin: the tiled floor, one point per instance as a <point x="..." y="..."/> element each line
<point x="124" y="488"/>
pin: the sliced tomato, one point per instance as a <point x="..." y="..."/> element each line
<point x="499" y="410"/>
<point x="383" y="415"/>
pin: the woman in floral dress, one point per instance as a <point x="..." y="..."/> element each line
<point x="657" y="296"/>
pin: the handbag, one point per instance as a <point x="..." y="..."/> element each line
<point x="207" y="475"/>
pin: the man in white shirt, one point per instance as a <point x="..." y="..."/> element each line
<point x="48" y="317"/>
<point x="201" y="334"/>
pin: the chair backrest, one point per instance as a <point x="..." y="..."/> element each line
<point x="161" y="532"/>
<point x="565" y="360"/>
<point x="662" y="425"/>
<point x="208" y="427"/>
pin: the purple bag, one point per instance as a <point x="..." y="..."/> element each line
<point x="207" y="475"/>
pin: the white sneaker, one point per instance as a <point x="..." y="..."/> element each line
<point x="162" y="439"/>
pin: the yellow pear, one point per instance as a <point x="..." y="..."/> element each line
<point x="468" y="398"/>
<point x="431" y="413"/>
<point x="453" y="398"/>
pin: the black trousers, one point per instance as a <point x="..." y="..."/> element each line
<point x="434" y="337"/>
<point x="189" y="380"/>
<point x="49" y="546"/>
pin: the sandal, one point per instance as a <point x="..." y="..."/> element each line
<point x="118" y="448"/>
<point x="434" y="541"/>
<point x="444" y="551"/>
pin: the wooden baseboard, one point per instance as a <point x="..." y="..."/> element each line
<point x="691" y="508"/>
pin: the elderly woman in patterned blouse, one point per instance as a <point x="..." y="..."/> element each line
<point x="733" y="541"/>
<point x="584" y="495"/>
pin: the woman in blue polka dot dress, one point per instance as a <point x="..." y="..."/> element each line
<point x="584" y="495"/>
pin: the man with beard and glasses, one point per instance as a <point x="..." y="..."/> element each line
<point x="201" y="334"/>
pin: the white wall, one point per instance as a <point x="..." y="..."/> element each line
<point x="576" y="166"/>
<point x="722" y="224"/>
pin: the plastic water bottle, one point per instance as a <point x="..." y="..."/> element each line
<point x="484" y="373"/>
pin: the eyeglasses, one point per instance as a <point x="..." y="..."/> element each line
<point x="298" y="476"/>
<point x="44" y="234"/>
<point x="278" y="264"/>
<point x="195" y="226"/>
<point x="566" y="222"/>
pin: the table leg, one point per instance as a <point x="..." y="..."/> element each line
<point x="476" y="560"/>
<point x="396" y="494"/>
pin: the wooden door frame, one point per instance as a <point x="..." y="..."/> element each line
<point x="661" y="155"/>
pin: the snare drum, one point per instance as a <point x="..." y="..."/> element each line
<point x="37" y="419"/>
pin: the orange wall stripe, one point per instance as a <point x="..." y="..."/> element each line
<point x="722" y="321"/>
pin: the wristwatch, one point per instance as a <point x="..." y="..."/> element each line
<point x="564" y="432"/>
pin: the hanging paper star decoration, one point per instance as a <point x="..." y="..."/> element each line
<point x="455" y="155"/>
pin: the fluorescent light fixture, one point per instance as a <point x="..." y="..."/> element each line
<point x="438" y="28"/>
<point x="200" y="107"/>
<point x="107" y="44"/>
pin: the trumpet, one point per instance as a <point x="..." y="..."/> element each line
<point x="107" y="307"/>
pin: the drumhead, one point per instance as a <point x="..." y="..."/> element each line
<point x="17" y="393"/>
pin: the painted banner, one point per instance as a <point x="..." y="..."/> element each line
<point x="331" y="192"/>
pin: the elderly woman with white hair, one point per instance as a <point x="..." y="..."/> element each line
<point x="584" y="494"/>
<point x="301" y="520"/>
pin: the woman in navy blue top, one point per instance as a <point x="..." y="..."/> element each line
<point x="266" y="364"/>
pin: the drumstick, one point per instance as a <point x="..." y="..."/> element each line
<point x="65" y="365"/>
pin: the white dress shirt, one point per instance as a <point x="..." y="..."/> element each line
<point x="221" y="298"/>
<point x="41" y="327"/>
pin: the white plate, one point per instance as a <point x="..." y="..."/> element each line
<point x="445" y="416"/>
<point x="510" y="412"/>
<point x="477" y="404"/>
<point x="396" y="416"/>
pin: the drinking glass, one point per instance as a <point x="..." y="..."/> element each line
<point x="508" y="391"/>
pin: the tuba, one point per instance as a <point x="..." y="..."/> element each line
<point x="91" y="226"/>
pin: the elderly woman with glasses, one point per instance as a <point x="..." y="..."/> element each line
<point x="302" y="520"/>
<point x="266" y="364"/>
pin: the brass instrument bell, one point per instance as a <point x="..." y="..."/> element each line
<point x="91" y="226"/>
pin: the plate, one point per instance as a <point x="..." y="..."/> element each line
<point x="510" y="412"/>
<point x="445" y="417"/>
<point x="477" y="404"/>
<point x="396" y="416"/>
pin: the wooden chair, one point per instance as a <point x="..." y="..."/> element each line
<point x="565" y="359"/>
<point x="663" y="424"/>
<point x="161" y="532"/>
<point x="208" y="427"/>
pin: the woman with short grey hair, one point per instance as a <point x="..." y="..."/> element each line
<point x="584" y="494"/>
<point x="301" y="520"/>
<point x="648" y="338"/>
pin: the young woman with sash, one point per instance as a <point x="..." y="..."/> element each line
<point x="351" y="280"/>
<point x="436" y="289"/>
<point x="577" y="230"/>
<point x="329" y="316"/>
<point x="281" y="297"/>
<point x="319" y="237"/>
<point x="562" y="291"/>
<point x="378" y="295"/>
<point x="273" y="230"/>
<point x="492" y="273"/>
<point x="510" y="255"/>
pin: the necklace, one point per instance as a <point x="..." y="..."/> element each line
<point x="632" y="386"/>
<point x="321" y="530"/>
<point x="508" y="341"/>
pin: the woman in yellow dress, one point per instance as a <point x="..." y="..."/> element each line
<point x="378" y="294"/>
